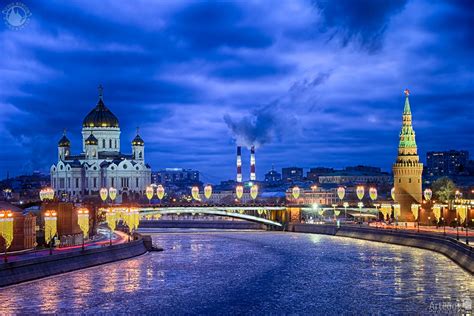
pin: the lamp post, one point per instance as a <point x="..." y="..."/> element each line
<point x="360" y="194"/>
<point x="334" y="211"/>
<point x="457" y="228"/>
<point x="373" y="197"/>
<point x="110" y="217"/>
<point x="444" y="225"/>
<point x="346" y="205"/>
<point x="360" y="205"/>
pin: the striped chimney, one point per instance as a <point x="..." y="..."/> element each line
<point x="239" y="164"/>
<point x="253" y="176"/>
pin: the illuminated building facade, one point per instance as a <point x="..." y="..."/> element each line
<point x="101" y="163"/>
<point x="407" y="170"/>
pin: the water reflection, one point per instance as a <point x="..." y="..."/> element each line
<point x="251" y="272"/>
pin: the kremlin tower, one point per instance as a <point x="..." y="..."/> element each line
<point x="407" y="169"/>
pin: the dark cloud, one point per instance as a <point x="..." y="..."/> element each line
<point x="362" y="21"/>
<point x="277" y="74"/>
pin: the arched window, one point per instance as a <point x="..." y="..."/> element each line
<point x="140" y="155"/>
<point x="103" y="143"/>
<point x="110" y="143"/>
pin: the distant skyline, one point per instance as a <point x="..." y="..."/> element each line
<point x="312" y="83"/>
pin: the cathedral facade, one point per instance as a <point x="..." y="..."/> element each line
<point x="101" y="164"/>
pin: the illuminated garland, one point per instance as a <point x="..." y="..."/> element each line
<point x="83" y="221"/>
<point x="50" y="226"/>
<point x="396" y="210"/>
<point x="6" y="227"/>
<point x="386" y="210"/>
<point x="437" y="212"/>
<point x="111" y="219"/>
<point x="414" y="210"/>
<point x="462" y="212"/>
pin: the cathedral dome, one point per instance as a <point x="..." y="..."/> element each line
<point x="138" y="141"/>
<point x="91" y="140"/>
<point x="100" y="116"/>
<point x="64" y="142"/>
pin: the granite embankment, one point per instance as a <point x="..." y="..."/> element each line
<point x="460" y="253"/>
<point x="31" y="269"/>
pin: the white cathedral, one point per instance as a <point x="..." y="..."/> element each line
<point x="101" y="164"/>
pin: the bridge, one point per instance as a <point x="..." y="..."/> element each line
<point x="268" y="215"/>
<point x="272" y="216"/>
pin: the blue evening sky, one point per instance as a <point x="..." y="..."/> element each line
<point x="311" y="83"/>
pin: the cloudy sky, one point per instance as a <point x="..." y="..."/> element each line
<point x="312" y="83"/>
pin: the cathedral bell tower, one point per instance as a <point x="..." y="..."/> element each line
<point x="64" y="147"/>
<point x="138" y="147"/>
<point x="407" y="169"/>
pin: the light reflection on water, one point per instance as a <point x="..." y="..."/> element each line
<point x="252" y="273"/>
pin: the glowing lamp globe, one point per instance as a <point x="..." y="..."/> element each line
<point x="207" y="191"/>
<point x="254" y="191"/>
<point x="360" y="192"/>
<point x="295" y="192"/>
<point x="195" y="193"/>
<point x="239" y="191"/>
<point x="373" y="193"/>
<point x="160" y="191"/>
<point x="104" y="193"/>
<point x="149" y="192"/>
<point x="428" y="194"/>
<point x="112" y="193"/>
<point x="341" y="192"/>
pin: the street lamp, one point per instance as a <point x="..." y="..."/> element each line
<point x="415" y="209"/>
<point x="50" y="228"/>
<point x="334" y="211"/>
<point x="457" y="228"/>
<point x="373" y="197"/>
<point x="360" y="205"/>
<point x="346" y="205"/>
<point x="110" y="217"/>
<point x="444" y="225"/>
<point x="360" y="194"/>
<point x="83" y="221"/>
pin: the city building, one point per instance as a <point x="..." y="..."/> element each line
<point x="314" y="173"/>
<point x="101" y="163"/>
<point x="407" y="169"/>
<point x="24" y="188"/>
<point x="175" y="176"/>
<point x="292" y="174"/>
<point x="350" y="177"/>
<point x="447" y="163"/>
<point x="272" y="177"/>
<point x="315" y="195"/>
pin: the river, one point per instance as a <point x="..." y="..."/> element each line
<point x="251" y="272"/>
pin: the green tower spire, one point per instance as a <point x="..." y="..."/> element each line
<point x="407" y="134"/>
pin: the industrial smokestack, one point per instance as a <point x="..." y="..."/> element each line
<point x="253" y="176"/>
<point x="239" y="164"/>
